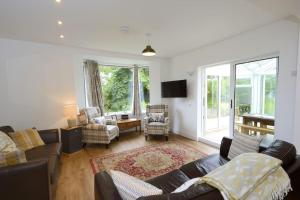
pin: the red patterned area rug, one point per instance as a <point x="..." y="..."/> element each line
<point x="149" y="161"/>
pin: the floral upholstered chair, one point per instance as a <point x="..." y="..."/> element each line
<point x="156" y="121"/>
<point x="96" y="128"/>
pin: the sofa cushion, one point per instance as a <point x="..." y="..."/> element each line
<point x="242" y="143"/>
<point x="203" y="166"/>
<point x="26" y="139"/>
<point x="170" y="181"/>
<point x="131" y="188"/>
<point x="283" y="151"/>
<point x="51" y="152"/>
<point x="198" y="192"/>
<point x="156" y="117"/>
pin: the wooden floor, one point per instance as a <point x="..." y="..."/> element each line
<point x="76" y="180"/>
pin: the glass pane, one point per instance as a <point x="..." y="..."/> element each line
<point x="255" y="91"/>
<point x="212" y="97"/>
<point x="270" y="89"/>
<point x="225" y="96"/>
<point x="117" y="88"/>
<point x="217" y="95"/>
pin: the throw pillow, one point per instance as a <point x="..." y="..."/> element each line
<point x="100" y="120"/>
<point x="156" y="117"/>
<point x="242" y="143"/>
<point x="12" y="158"/>
<point x="82" y="118"/>
<point x="6" y="143"/>
<point x="131" y="188"/>
<point x="27" y="139"/>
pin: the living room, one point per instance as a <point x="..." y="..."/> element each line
<point x="47" y="47"/>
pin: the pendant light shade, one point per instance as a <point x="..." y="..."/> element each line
<point x="148" y="51"/>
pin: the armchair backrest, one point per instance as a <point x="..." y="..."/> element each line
<point x="157" y="109"/>
<point x="89" y="113"/>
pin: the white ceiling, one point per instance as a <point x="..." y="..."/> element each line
<point x="176" y="25"/>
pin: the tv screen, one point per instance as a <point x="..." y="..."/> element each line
<point x="172" y="89"/>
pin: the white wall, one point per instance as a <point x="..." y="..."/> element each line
<point x="280" y="37"/>
<point x="36" y="80"/>
<point x="297" y="103"/>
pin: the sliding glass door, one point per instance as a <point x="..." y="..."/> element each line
<point x="255" y="92"/>
<point x="216" y="106"/>
<point x="239" y="98"/>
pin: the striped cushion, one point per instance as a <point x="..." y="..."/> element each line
<point x="242" y="143"/>
<point x="12" y="158"/>
<point x="131" y="188"/>
<point x="27" y="139"/>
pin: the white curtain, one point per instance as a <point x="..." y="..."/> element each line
<point x="93" y="85"/>
<point x="136" y="93"/>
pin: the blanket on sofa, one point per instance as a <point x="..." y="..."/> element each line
<point x="250" y="176"/>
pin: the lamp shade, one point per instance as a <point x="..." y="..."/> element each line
<point x="70" y="110"/>
<point x="148" y="51"/>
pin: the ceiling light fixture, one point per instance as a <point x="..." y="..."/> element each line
<point x="148" y="51"/>
<point x="58" y="1"/>
<point x="59" y="22"/>
<point x="62" y="36"/>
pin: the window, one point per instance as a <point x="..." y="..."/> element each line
<point x="117" y="88"/>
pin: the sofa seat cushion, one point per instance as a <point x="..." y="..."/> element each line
<point x="170" y="181"/>
<point x="43" y="152"/>
<point x="51" y="152"/>
<point x="156" y="124"/>
<point x="198" y="192"/>
<point x="203" y="166"/>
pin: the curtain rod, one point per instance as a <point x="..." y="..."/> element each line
<point x="117" y="65"/>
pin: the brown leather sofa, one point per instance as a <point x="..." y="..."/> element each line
<point x="106" y="190"/>
<point x="37" y="178"/>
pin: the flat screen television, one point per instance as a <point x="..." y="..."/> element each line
<point x="173" y="89"/>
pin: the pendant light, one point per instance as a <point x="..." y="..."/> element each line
<point x="148" y="51"/>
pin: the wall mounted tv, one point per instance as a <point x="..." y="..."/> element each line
<point x="173" y="89"/>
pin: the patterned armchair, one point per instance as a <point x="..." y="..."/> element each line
<point x="156" y="121"/>
<point x="97" y="129"/>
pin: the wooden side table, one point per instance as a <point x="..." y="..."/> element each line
<point x="130" y="123"/>
<point x="71" y="139"/>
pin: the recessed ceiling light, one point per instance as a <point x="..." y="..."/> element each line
<point x="62" y="36"/>
<point x="58" y="1"/>
<point x="59" y="22"/>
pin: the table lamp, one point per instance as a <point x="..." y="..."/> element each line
<point x="70" y="112"/>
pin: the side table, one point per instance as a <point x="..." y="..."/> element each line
<point x="71" y="139"/>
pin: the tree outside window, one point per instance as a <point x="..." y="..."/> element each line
<point x="117" y="88"/>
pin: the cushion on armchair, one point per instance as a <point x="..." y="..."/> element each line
<point x="98" y="127"/>
<point x="156" y="117"/>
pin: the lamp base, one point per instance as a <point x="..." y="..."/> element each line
<point x="71" y="123"/>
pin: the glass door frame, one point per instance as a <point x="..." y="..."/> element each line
<point x="233" y="77"/>
<point x="202" y="102"/>
<point x="201" y="92"/>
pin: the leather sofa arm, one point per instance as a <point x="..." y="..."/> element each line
<point x="225" y="146"/>
<point x="105" y="188"/>
<point x="49" y="136"/>
<point x="26" y="181"/>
